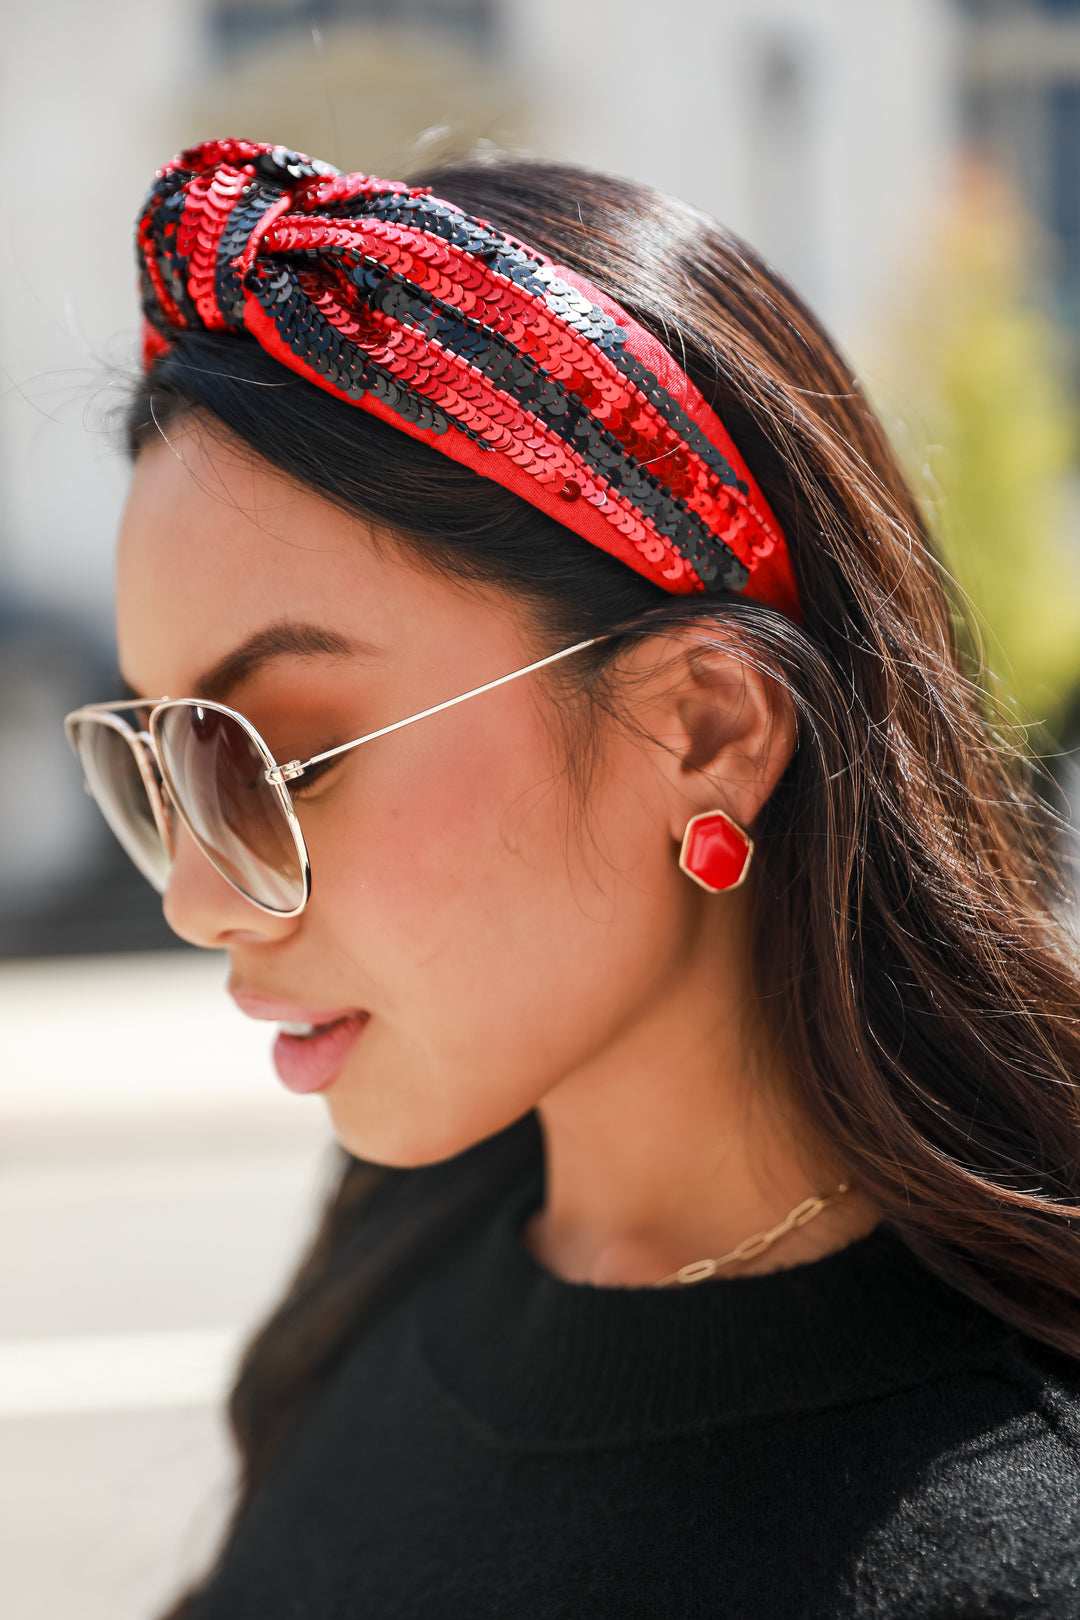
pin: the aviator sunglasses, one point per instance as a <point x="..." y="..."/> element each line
<point x="209" y="765"/>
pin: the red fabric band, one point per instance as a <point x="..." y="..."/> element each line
<point x="398" y="303"/>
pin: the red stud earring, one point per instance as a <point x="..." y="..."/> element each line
<point x="715" y="852"/>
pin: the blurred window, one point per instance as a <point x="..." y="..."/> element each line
<point x="1022" y="60"/>
<point x="782" y="155"/>
<point x="1063" y="131"/>
<point x="239" y="26"/>
<point x="1014" y="9"/>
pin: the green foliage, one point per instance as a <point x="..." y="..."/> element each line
<point x="985" y="368"/>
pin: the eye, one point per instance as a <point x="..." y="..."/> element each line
<point x="304" y="785"/>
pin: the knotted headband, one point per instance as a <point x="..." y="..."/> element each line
<point x="469" y="340"/>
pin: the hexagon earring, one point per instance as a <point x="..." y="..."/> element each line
<point x="715" y="852"/>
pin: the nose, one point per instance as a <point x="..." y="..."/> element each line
<point x="204" y="909"/>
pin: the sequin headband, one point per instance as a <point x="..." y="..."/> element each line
<point x="469" y="340"/>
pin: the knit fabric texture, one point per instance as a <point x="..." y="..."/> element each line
<point x="844" y="1439"/>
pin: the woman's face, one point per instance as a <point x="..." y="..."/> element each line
<point x="479" y="933"/>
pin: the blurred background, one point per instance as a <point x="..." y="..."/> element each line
<point x="912" y="165"/>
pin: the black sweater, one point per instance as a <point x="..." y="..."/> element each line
<point x="849" y="1438"/>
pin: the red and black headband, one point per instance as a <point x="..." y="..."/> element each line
<point x="469" y="340"/>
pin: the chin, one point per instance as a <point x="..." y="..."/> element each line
<point x="411" y="1138"/>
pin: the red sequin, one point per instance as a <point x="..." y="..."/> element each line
<point x="666" y="451"/>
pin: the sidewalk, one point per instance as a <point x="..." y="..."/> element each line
<point x="156" y="1185"/>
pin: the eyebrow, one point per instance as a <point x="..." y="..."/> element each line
<point x="286" y="639"/>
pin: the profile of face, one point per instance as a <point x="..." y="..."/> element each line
<point x="496" y="900"/>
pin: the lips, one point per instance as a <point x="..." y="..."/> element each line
<point x="312" y="1043"/>
<point x="311" y="1062"/>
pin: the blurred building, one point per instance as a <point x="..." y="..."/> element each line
<point x="821" y="129"/>
<point x="1021" y="105"/>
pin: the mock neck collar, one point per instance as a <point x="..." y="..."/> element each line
<point x="538" y="1361"/>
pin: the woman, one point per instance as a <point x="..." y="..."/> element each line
<point x="568" y="741"/>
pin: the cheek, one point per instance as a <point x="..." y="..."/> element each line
<point x="501" y="940"/>
<point x="427" y="851"/>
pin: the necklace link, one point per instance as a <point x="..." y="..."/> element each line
<point x="696" y="1271"/>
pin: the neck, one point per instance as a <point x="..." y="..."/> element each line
<point x="676" y="1145"/>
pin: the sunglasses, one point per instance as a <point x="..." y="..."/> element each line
<point x="207" y="764"/>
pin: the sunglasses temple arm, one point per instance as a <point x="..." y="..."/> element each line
<point x="288" y="773"/>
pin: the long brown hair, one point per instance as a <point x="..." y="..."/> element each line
<point x="908" y="892"/>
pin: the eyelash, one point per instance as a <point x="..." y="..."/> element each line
<point x="310" y="777"/>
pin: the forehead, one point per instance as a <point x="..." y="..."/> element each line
<point x="215" y="546"/>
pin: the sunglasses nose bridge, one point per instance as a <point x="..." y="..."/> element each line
<point x="160" y="798"/>
<point x="121" y="776"/>
<point x="149" y="747"/>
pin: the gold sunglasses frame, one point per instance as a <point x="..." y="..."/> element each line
<point x="155" y="777"/>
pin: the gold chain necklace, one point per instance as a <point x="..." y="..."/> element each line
<point x="700" y="1270"/>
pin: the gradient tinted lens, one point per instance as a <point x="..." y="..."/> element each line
<point x="216" y="775"/>
<point x="112" y="774"/>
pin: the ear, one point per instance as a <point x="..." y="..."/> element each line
<point x="725" y="728"/>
